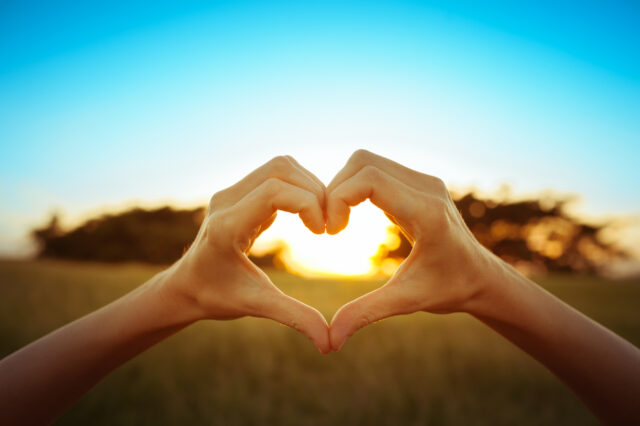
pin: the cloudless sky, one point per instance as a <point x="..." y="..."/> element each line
<point x="146" y="102"/>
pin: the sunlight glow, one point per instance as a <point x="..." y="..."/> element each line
<point x="349" y="253"/>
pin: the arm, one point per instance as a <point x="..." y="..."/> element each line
<point x="449" y="271"/>
<point x="602" y="368"/>
<point x="213" y="280"/>
<point x="40" y="381"/>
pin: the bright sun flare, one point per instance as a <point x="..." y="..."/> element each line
<point x="350" y="253"/>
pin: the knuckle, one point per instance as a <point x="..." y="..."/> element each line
<point x="310" y="200"/>
<point x="439" y="185"/>
<point x="360" y="156"/>
<point x="279" y="164"/>
<point x="366" y="317"/>
<point x="272" y="186"/>
<point x="306" y="211"/>
<point x="439" y="213"/>
<point x="216" y="200"/>
<point x="220" y="227"/>
<point x="439" y="204"/>
<point x="370" y="173"/>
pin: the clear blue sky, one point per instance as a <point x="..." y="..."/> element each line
<point x="131" y="101"/>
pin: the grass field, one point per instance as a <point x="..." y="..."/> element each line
<point x="417" y="369"/>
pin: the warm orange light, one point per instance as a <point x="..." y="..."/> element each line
<point x="352" y="252"/>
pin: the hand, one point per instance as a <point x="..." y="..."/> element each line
<point x="215" y="277"/>
<point x="440" y="275"/>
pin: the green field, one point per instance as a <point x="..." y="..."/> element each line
<point x="417" y="369"/>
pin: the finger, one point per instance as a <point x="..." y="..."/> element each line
<point x="306" y="171"/>
<point x="295" y="314"/>
<point x="281" y="167"/>
<point x="381" y="303"/>
<point x="273" y="195"/>
<point x="265" y="225"/>
<point x="362" y="158"/>
<point x="385" y="191"/>
<point x="258" y="231"/>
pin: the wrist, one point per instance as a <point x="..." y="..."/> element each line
<point x="171" y="289"/>
<point x="491" y="282"/>
<point x="507" y="296"/>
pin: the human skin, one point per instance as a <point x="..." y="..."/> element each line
<point x="213" y="280"/>
<point x="449" y="271"/>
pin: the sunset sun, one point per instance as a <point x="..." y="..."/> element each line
<point x="352" y="252"/>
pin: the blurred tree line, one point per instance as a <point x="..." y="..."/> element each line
<point x="536" y="236"/>
<point x="152" y="236"/>
<point x="533" y="235"/>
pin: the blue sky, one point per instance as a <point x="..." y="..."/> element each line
<point x="146" y="102"/>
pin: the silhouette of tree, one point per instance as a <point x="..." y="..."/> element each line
<point x="529" y="235"/>
<point x="153" y="236"/>
<point x="533" y="235"/>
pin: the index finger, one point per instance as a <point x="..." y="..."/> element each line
<point x="362" y="158"/>
<point x="259" y="205"/>
<point x="384" y="190"/>
<point x="283" y="167"/>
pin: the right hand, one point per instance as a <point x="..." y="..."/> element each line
<point x="215" y="277"/>
<point x="442" y="273"/>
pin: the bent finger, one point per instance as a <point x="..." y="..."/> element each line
<point x="267" y="224"/>
<point x="284" y="168"/>
<point x="362" y="158"/>
<point x="272" y="195"/>
<point x="307" y="172"/>
<point x="385" y="191"/>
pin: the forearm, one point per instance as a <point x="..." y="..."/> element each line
<point x="602" y="368"/>
<point x="53" y="372"/>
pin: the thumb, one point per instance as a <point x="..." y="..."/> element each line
<point x="297" y="315"/>
<point x="384" y="302"/>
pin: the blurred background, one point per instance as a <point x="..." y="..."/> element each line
<point x="119" y="120"/>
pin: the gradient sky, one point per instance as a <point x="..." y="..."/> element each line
<point x="132" y="102"/>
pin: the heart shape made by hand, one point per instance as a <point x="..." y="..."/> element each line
<point x="438" y="276"/>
